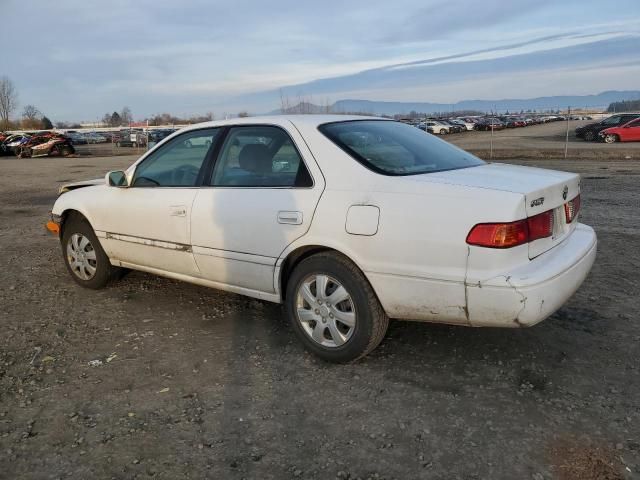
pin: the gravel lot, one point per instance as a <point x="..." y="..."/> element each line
<point x="153" y="378"/>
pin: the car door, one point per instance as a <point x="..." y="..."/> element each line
<point x="631" y="131"/>
<point x="260" y="197"/>
<point x="147" y="224"/>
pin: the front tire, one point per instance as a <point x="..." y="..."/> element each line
<point x="333" y="309"/>
<point x="611" y="138"/>
<point x="84" y="257"/>
<point x="442" y="131"/>
<point x="589" y="136"/>
<point x="66" y="151"/>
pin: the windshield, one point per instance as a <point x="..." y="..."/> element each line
<point x="393" y="148"/>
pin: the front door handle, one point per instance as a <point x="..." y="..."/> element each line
<point x="290" y="218"/>
<point x="178" y="211"/>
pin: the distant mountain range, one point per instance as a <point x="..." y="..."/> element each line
<point x="600" y="101"/>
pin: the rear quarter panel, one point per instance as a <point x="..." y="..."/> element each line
<point x="417" y="260"/>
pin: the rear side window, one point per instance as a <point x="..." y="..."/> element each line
<point x="615" y="120"/>
<point x="259" y="156"/>
<point x="394" y="148"/>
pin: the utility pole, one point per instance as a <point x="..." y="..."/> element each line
<point x="566" y="140"/>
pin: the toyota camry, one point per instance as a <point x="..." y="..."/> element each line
<point x="347" y="221"/>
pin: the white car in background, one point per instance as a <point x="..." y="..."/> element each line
<point x="348" y="221"/>
<point x="437" y="128"/>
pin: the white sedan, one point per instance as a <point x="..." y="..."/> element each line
<point x="348" y="221"/>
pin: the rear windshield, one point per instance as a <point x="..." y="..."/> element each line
<point x="394" y="148"/>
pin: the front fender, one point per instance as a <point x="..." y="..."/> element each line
<point x="79" y="200"/>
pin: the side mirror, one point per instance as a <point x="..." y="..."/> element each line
<point x="117" y="178"/>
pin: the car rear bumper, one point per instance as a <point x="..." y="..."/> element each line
<point x="530" y="294"/>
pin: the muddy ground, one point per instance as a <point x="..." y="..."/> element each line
<point x="152" y="378"/>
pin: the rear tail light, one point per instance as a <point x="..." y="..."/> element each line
<point x="541" y="225"/>
<point x="512" y="234"/>
<point x="499" y="235"/>
<point x="571" y="209"/>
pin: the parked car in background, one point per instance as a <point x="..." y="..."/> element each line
<point x="513" y="122"/>
<point x="629" y="132"/>
<point x="131" y="138"/>
<point x="76" y="138"/>
<point x="436" y="127"/>
<point x="465" y="123"/>
<point x="590" y="132"/>
<point x="454" y="127"/>
<point x="488" y="124"/>
<point x="93" y="137"/>
<point x="326" y="214"/>
<point x="158" y="135"/>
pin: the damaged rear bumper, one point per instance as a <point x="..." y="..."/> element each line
<point x="531" y="293"/>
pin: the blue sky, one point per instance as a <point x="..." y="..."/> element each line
<point x="79" y="58"/>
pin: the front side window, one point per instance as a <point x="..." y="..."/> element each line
<point x="178" y="163"/>
<point x="259" y="156"/>
<point x="393" y="148"/>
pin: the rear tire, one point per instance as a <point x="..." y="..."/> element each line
<point x="86" y="261"/>
<point x="442" y="131"/>
<point x="345" y="331"/>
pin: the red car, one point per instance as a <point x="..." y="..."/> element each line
<point x="629" y="132"/>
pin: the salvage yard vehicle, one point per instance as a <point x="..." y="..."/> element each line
<point x="629" y="132"/>
<point x="46" y="145"/>
<point x="348" y="221"/>
<point x="12" y="144"/>
<point x="590" y="131"/>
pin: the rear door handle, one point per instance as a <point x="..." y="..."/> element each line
<point x="178" y="211"/>
<point x="290" y="218"/>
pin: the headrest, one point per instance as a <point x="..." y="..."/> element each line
<point x="256" y="158"/>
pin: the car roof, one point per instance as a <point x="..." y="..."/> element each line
<point x="310" y="120"/>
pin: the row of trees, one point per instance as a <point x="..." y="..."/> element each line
<point x="115" y="119"/>
<point x="31" y="117"/>
<point x="168" y="119"/>
<point x="624" y="106"/>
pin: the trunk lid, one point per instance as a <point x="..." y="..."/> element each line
<point x="542" y="189"/>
